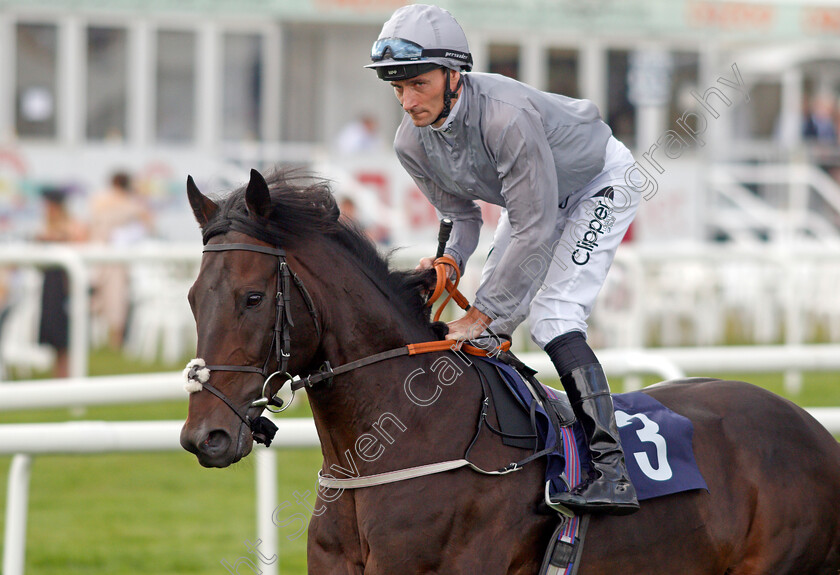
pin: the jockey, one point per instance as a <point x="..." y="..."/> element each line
<point x="559" y="175"/>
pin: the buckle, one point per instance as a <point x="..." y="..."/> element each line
<point x="509" y="468"/>
<point x="325" y="374"/>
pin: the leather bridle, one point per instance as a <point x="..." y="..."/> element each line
<point x="262" y="428"/>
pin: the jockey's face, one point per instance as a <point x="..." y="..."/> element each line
<point x="422" y="96"/>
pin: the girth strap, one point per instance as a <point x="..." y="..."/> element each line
<point x="403" y="474"/>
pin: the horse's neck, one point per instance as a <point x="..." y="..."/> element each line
<point x="362" y="318"/>
<point x="405" y="409"/>
<point x="378" y="402"/>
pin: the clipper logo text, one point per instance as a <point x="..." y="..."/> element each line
<point x="599" y="225"/>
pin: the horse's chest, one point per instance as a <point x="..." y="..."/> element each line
<point x="425" y="530"/>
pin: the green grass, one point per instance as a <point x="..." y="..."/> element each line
<point x="156" y="513"/>
<point x="163" y="514"/>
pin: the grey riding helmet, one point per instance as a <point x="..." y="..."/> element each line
<point x="417" y="39"/>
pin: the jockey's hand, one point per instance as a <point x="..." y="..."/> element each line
<point x="425" y="264"/>
<point x="468" y="327"/>
<point x="429" y="263"/>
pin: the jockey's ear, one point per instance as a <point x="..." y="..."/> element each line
<point x="257" y="197"/>
<point x="203" y="207"/>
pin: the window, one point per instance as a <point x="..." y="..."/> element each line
<point x="304" y="81"/>
<point x="504" y="59"/>
<point x="563" y="72"/>
<point x="242" y="87"/>
<point x="176" y="87"/>
<point x="684" y="77"/>
<point x="36" y="80"/>
<point x="107" y="83"/>
<point x="762" y="116"/>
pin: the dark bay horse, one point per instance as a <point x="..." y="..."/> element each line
<point x="773" y="472"/>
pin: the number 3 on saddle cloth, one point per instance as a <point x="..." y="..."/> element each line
<point x="656" y="441"/>
<point x="657" y="445"/>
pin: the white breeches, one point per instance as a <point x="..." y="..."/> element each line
<point x="586" y="237"/>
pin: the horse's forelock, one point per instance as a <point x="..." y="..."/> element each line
<point x="300" y="205"/>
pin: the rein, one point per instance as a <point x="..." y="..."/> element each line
<point x="443" y="283"/>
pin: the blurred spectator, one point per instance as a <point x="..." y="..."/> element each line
<point x="118" y="218"/>
<point x="350" y="214"/>
<point x="359" y="137"/>
<point x="58" y="226"/>
<point x="820" y="120"/>
<point x="347" y="207"/>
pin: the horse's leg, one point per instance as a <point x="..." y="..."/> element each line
<point x="666" y="536"/>
<point x="333" y="540"/>
<point x="458" y="522"/>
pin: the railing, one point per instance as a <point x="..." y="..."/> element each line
<point x="77" y="261"/>
<point x="25" y="440"/>
<point x="786" y="216"/>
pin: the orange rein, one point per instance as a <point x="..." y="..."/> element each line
<point x="445" y="284"/>
<point x="452" y="345"/>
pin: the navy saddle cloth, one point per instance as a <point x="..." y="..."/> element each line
<point x="657" y="442"/>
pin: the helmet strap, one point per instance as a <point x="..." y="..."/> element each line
<point x="448" y="93"/>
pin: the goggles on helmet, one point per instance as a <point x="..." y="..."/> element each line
<point x="403" y="50"/>
<point x="398" y="48"/>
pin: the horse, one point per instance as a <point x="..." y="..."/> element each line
<point x="287" y="288"/>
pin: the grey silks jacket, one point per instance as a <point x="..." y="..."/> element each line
<point x="514" y="146"/>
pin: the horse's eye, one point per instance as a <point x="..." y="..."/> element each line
<point x="254" y="299"/>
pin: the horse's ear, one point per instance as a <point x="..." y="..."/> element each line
<point x="203" y="207"/>
<point x="257" y="197"/>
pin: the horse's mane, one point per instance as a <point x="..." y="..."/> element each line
<point x="303" y="206"/>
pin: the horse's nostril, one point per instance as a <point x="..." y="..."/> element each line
<point x="216" y="441"/>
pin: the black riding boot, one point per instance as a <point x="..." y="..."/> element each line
<point x="608" y="488"/>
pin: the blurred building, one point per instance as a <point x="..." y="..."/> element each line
<point x="704" y="91"/>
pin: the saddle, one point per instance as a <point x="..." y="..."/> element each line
<point x="535" y="417"/>
<point x="517" y="419"/>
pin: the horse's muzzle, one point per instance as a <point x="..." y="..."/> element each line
<point x="213" y="448"/>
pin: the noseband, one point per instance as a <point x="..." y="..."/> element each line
<point x="197" y="372"/>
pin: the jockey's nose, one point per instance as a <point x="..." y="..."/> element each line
<point x="408" y="100"/>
